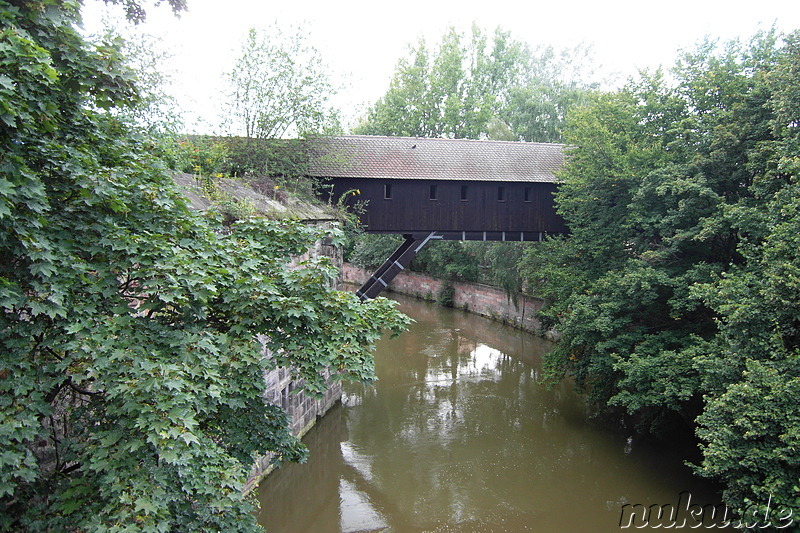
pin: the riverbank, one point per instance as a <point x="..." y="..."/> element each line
<point x="484" y="300"/>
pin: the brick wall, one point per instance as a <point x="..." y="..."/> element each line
<point x="483" y="300"/>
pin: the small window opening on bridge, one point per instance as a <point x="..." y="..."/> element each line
<point x="527" y="194"/>
<point x="432" y="194"/>
<point x="463" y="193"/>
<point x="387" y="191"/>
<point x="501" y="194"/>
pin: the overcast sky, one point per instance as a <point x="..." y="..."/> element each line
<point x="362" y="40"/>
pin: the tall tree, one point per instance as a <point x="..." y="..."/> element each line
<point x="451" y="92"/>
<point x="473" y="86"/>
<point x="130" y="378"/>
<point x="278" y="86"/>
<point x="673" y="292"/>
<point x="751" y="424"/>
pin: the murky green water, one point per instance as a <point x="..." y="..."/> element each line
<point x="458" y="436"/>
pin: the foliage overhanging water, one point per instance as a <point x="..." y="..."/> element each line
<point x="457" y="435"/>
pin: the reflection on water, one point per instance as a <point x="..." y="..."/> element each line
<point x="458" y="436"/>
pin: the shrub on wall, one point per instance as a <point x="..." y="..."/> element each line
<point x="445" y="296"/>
<point x="250" y="158"/>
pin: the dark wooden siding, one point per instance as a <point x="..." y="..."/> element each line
<point x="412" y="209"/>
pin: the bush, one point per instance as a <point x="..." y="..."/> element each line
<point x="445" y="296"/>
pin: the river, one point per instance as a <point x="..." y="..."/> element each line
<point x="458" y="435"/>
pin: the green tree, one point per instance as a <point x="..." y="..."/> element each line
<point x="448" y="93"/>
<point x="645" y="197"/>
<point x="501" y="260"/>
<point x="536" y="111"/>
<point x="473" y="86"/>
<point x="675" y="292"/>
<point x="751" y="424"/>
<point x="130" y="377"/>
<point x="278" y="86"/>
<point x="370" y="251"/>
<point x="449" y="260"/>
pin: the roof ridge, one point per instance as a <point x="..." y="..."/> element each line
<point x="440" y="139"/>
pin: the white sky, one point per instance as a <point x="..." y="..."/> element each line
<point x="362" y="40"/>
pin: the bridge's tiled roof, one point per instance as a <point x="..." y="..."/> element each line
<point x="434" y="159"/>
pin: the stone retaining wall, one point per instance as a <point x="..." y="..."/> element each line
<point x="484" y="300"/>
<point x="303" y="412"/>
<point x="281" y="390"/>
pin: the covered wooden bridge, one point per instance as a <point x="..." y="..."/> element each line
<point x="428" y="189"/>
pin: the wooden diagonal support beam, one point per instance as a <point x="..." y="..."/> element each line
<point x="396" y="262"/>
